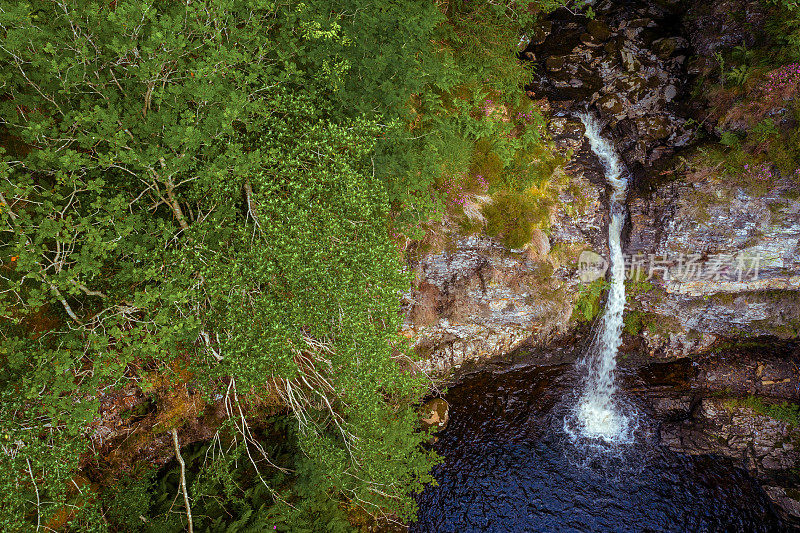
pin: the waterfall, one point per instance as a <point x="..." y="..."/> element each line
<point x="597" y="414"/>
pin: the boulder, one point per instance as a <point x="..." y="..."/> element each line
<point x="435" y="414"/>
<point x="598" y="29"/>
<point x="555" y="63"/>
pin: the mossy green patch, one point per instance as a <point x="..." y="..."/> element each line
<point x="785" y="411"/>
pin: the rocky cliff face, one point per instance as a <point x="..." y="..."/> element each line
<point x="723" y="404"/>
<point x="728" y="249"/>
<point x="732" y="260"/>
<point x="628" y="65"/>
<point x="479" y="300"/>
<point x="724" y="255"/>
<point x="722" y="259"/>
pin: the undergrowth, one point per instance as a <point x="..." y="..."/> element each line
<point x="753" y="97"/>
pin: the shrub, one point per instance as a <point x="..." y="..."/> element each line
<point x="512" y="217"/>
<point x="587" y="303"/>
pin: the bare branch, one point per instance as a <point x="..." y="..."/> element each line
<point x="251" y="207"/>
<point x="175" y="205"/>
<point x="61" y="299"/>
<point x="207" y="340"/>
<point x="179" y="457"/>
<point x="147" y="95"/>
<point x="38" y="503"/>
<point x="87" y="291"/>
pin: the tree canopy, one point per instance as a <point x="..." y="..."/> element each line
<point x="201" y="193"/>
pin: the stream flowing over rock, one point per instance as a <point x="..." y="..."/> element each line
<point x="478" y="305"/>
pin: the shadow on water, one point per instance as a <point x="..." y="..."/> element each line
<point x="510" y="467"/>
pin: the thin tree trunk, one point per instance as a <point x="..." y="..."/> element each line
<point x="183" y="478"/>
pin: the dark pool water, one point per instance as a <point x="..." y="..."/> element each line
<point x="510" y="467"/>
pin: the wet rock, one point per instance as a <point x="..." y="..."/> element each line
<point x="580" y="218"/>
<point x="787" y="499"/>
<point x="672" y="407"/>
<point x="671" y="5"/>
<point x="632" y="76"/>
<point x="589" y="40"/>
<point x="610" y="104"/>
<point x="625" y="79"/>
<point x="640" y="23"/>
<point x="670" y="92"/>
<point x="667" y="46"/>
<point x="564" y="127"/>
<point x="555" y="63"/>
<point x="700" y="407"/>
<point x="701" y="66"/>
<point x="629" y="60"/>
<point x="723" y="24"/>
<point x="435" y="414"/>
<point x="653" y="128"/>
<point x="723" y="427"/>
<point x="567" y="132"/>
<point x="632" y="86"/>
<point x="755" y="371"/>
<point x="541" y="32"/>
<point x="613" y="46"/>
<point x="598" y="29"/>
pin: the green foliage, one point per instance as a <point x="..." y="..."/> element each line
<point x="587" y="303"/>
<point x="784" y="26"/>
<point x="744" y="61"/>
<point x="744" y="55"/>
<point x="762" y="78"/>
<point x="784" y="412"/>
<point x="473" y="101"/>
<point x="763" y="131"/>
<point x="512" y="217"/>
<point x="636" y="287"/>
<point x="128" y="503"/>
<point x="739" y="75"/>
<point x="230" y="493"/>
<point x="729" y="139"/>
<point x="198" y="184"/>
<point x="207" y="185"/>
<point x="633" y="322"/>
<point x="721" y="62"/>
<point x="636" y="321"/>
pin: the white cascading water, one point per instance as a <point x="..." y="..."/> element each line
<point x="597" y="414"/>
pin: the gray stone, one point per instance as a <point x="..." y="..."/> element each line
<point x="670" y="93"/>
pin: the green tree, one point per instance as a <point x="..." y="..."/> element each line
<point x="208" y="185"/>
<point x="189" y="191"/>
